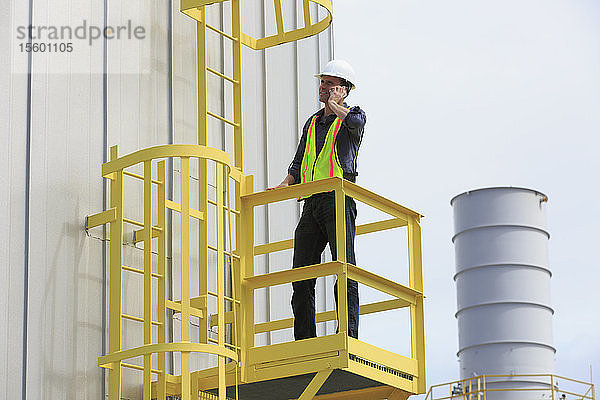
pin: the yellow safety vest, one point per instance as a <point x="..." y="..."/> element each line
<point x="326" y="164"/>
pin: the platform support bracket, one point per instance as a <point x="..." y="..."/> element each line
<point x="315" y="384"/>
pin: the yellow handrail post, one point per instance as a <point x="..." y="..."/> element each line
<point x="415" y="267"/>
<point x="246" y="247"/>
<point x="484" y="388"/>
<point x="342" y="278"/>
<point x="470" y="388"/>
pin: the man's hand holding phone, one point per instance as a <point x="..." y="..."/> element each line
<point x="337" y="94"/>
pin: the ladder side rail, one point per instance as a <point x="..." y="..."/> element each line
<point x="185" y="277"/>
<point x="220" y="276"/>
<point x="147" y="275"/>
<point x="201" y="39"/>
<point x="238" y="150"/>
<point x="115" y="289"/>
<point x="233" y="265"/>
<point x="236" y="276"/>
<point x="162" y="289"/>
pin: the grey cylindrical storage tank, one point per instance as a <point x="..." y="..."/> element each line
<point x="503" y="289"/>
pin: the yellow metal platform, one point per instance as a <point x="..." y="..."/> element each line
<point x="371" y="373"/>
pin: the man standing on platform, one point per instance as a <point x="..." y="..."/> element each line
<point x="328" y="147"/>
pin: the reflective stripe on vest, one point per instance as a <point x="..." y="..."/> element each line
<point x="326" y="164"/>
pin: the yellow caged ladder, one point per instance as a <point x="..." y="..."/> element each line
<point x="213" y="240"/>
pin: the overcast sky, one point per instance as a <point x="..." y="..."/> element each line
<point x="461" y="95"/>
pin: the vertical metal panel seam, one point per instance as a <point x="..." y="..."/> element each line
<point x="104" y="185"/>
<point x="332" y="57"/>
<point x="223" y="87"/>
<point x="318" y="45"/>
<point x="317" y="40"/>
<point x="266" y="157"/>
<point x="26" y="220"/>
<point x="297" y="88"/>
<point x="6" y="327"/>
<point x="331" y="39"/>
<point x="170" y="181"/>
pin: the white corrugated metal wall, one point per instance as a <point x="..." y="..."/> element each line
<point x="60" y="113"/>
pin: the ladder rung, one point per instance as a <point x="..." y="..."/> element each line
<point x="140" y="177"/>
<point x="132" y="222"/>
<point x="225" y="297"/>
<point x="138" y="235"/>
<point x="221" y="75"/>
<point x="222" y="119"/>
<point x="176" y="306"/>
<point x="139" y="271"/>
<point x="172" y="205"/>
<point x="140" y="368"/>
<point x="229" y="253"/>
<point x="231" y="346"/>
<point x="140" y="224"/>
<point x="232" y="210"/>
<point x="138" y="319"/>
<point x="220" y="32"/>
<point x="177" y="207"/>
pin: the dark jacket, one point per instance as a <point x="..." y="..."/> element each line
<point x="347" y="141"/>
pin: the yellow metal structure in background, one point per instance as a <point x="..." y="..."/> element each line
<point x="330" y="367"/>
<point x="337" y="356"/>
<point x="479" y="387"/>
<point x="155" y="305"/>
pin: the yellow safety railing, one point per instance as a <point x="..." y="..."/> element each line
<point x="553" y="387"/>
<point x="156" y="303"/>
<point x="235" y="310"/>
<point x="343" y="348"/>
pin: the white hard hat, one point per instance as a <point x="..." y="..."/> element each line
<point x="341" y="69"/>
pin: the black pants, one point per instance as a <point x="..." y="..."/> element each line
<point x="315" y="229"/>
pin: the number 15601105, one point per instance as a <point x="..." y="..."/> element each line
<point x="61" y="47"/>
